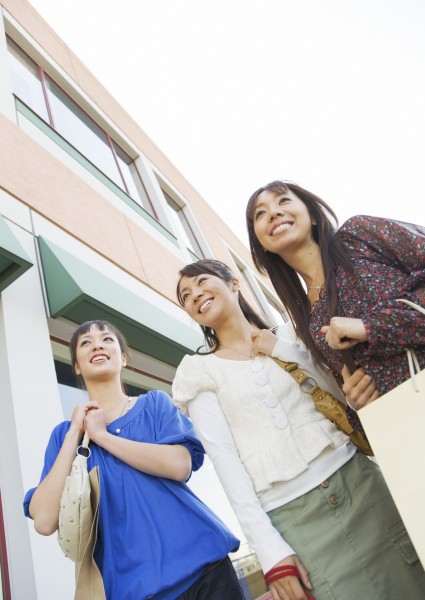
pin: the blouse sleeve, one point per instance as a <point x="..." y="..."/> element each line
<point x="53" y="447"/>
<point x="392" y="325"/>
<point x="191" y="378"/>
<point x="214" y="432"/>
<point x="290" y="350"/>
<point x="173" y="427"/>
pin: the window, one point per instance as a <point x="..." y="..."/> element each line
<point x="42" y="95"/>
<point x="182" y="226"/>
<point x="266" y="303"/>
<point x="278" y="315"/>
<point x="26" y="81"/>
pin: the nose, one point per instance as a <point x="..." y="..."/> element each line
<point x="98" y="344"/>
<point x="275" y="211"/>
<point x="197" y="293"/>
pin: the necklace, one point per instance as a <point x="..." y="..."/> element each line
<point x="125" y="409"/>
<point x="315" y="287"/>
<point x="237" y="351"/>
<point x="250" y="355"/>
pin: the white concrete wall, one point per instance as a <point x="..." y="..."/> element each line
<point x="29" y="408"/>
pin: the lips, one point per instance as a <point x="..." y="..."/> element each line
<point x="205" y="305"/>
<point x="280" y="228"/>
<point x="99" y="358"/>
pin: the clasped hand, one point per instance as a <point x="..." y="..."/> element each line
<point x="89" y="417"/>
<point x="344" y="332"/>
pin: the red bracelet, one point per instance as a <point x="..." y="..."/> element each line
<point x="279" y="572"/>
<point x="284" y="571"/>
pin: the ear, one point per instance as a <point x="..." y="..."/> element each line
<point x="313" y="222"/>
<point x="123" y="360"/>
<point x="77" y="369"/>
<point x="235" y="285"/>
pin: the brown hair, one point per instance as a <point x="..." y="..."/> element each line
<point x="284" y="278"/>
<point x="218" y="269"/>
<point x="85" y="328"/>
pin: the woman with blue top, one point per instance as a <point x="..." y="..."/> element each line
<point x="316" y="510"/>
<point x="156" y="539"/>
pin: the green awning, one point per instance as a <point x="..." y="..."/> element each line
<point x="14" y="261"/>
<point x="80" y="293"/>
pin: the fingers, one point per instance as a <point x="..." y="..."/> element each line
<point x="263" y="342"/>
<point x="287" y="588"/>
<point x="303" y="573"/>
<point x="344" y="332"/>
<point x="359" y="388"/>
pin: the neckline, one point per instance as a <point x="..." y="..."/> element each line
<point x="248" y="360"/>
<point x="125" y="418"/>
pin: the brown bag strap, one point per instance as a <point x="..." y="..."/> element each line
<point x="329" y="406"/>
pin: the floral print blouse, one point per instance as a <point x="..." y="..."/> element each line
<point x="389" y="262"/>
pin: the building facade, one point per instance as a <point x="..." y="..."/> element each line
<point x="95" y="222"/>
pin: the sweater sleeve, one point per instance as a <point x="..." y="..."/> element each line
<point x="216" y="437"/>
<point x="392" y="325"/>
<point x="191" y="378"/>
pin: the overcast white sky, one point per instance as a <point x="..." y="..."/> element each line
<point x="327" y="93"/>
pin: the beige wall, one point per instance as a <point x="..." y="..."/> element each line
<point x="35" y="177"/>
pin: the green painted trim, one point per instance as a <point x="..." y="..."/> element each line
<point x="89" y="166"/>
<point x="14" y="261"/>
<point x="80" y="293"/>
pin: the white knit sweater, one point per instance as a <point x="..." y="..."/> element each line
<point x="262" y="433"/>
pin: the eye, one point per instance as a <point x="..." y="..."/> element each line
<point x="84" y="342"/>
<point x="108" y="338"/>
<point x="184" y="297"/>
<point x="201" y="280"/>
<point x="259" y="213"/>
<point x="283" y="200"/>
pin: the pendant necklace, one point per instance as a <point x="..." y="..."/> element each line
<point x="125" y="409"/>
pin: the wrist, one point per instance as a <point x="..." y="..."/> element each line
<point x="100" y="437"/>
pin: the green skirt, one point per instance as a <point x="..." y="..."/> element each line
<point x="349" y="535"/>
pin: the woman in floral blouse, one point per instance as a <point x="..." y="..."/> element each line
<point x="341" y="287"/>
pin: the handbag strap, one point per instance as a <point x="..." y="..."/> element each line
<point x="417" y="307"/>
<point x="83" y="449"/>
<point x="325" y="403"/>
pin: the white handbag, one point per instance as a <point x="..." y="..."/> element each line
<point x="76" y="513"/>
<point x="394" y="425"/>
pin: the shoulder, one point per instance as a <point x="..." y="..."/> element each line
<point x="368" y="226"/>
<point x="192" y="377"/>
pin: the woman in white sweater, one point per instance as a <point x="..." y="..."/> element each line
<point x="316" y="511"/>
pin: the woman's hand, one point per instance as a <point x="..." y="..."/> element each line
<point x="291" y="588"/>
<point x="359" y="388"/>
<point x="344" y="332"/>
<point x="95" y="421"/>
<point x="263" y="342"/>
<point x="79" y="414"/>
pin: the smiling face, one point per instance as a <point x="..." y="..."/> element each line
<point x="208" y="299"/>
<point x="281" y="222"/>
<point x="98" y="354"/>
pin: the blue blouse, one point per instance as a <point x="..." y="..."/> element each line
<point x="155" y="536"/>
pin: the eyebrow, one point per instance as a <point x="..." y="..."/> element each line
<point x="89" y="335"/>
<point x="186" y="289"/>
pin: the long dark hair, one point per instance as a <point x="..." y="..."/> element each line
<point x="85" y="328"/>
<point x="218" y="269"/>
<point x="284" y="278"/>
